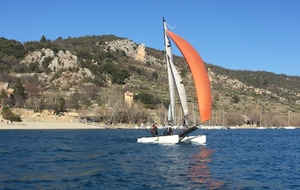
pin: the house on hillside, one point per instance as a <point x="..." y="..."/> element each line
<point x="128" y="98"/>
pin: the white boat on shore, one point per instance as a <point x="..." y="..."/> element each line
<point x="289" y="127"/>
<point x="260" y="127"/>
<point x="234" y="127"/>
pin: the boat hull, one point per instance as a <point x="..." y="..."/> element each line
<point x="172" y="139"/>
<point x="199" y="139"/>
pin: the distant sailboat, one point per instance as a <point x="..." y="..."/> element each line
<point x="202" y="86"/>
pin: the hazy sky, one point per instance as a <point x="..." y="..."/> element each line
<point x="235" y="34"/>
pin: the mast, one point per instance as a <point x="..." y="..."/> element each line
<point x="167" y="44"/>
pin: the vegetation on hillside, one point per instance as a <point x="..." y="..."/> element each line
<point x="265" y="98"/>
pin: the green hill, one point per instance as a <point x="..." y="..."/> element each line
<point x="91" y="74"/>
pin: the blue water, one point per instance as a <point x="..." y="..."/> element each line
<point x="111" y="159"/>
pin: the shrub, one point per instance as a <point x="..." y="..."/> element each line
<point x="9" y="115"/>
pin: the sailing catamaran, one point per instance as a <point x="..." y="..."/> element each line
<point x="202" y="86"/>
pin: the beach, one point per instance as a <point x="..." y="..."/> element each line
<point x="31" y="125"/>
<point x="47" y="120"/>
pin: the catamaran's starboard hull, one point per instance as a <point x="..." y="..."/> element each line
<point x="172" y="139"/>
<point x="199" y="139"/>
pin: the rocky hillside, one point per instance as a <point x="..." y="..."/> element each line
<point x="94" y="64"/>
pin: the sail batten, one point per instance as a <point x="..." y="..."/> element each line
<point x="199" y="73"/>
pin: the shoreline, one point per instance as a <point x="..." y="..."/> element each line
<point x="48" y="125"/>
<point x="32" y="125"/>
<point x="46" y="120"/>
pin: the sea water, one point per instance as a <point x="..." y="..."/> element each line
<point x="112" y="159"/>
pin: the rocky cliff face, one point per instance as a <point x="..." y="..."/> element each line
<point x="125" y="45"/>
<point x="138" y="52"/>
<point x="66" y="61"/>
<point x="62" y="60"/>
<point x="74" y="74"/>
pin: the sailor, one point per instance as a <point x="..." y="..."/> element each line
<point x="154" y="130"/>
<point x="168" y="131"/>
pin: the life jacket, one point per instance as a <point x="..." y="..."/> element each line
<point x="152" y="129"/>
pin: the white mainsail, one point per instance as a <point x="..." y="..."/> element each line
<point x="174" y="81"/>
<point x="169" y="58"/>
<point x="180" y="89"/>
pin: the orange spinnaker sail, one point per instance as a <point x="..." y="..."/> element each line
<point x="199" y="73"/>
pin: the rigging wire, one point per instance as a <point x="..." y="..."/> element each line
<point x="170" y="26"/>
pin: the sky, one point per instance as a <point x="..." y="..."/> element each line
<point x="256" y="35"/>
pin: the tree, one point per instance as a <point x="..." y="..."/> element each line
<point x="60" y="105"/>
<point x="233" y="119"/>
<point x="46" y="62"/>
<point x="254" y="113"/>
<point x="235" y="99"/>
<point x="120" y="76"/>
<point x="155" y="75"/>
<point x="117" y="75"/>
<point x="18" y="88"/>
<point x="11" y="48"/>
<point x="9" y="115"/>
<point x="19" y="93"/>
<point x="148" y="99"/>
<point x="34" y="66"/>
<point x="43" y="39"/>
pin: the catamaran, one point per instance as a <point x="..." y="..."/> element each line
<point x="202" y="86"/>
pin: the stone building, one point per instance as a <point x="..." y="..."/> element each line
<point x="128" y="98"/>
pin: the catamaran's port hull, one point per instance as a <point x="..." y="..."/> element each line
<point x="173" y="139"/>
